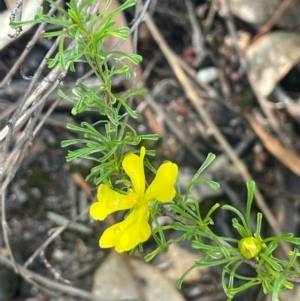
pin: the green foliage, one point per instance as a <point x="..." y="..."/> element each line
<point x="105" y="142"/>
<point x="272" y="273"/>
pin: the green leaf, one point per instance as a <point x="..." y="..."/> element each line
<point x="208" y="263"/>
<point x="250" y="189"/>
<point x="180" y="281"/>
<point x="122" y="7"/>
<point x="120" y="56"/>
<point x="272" y="262"/>
<point x="214" y="185"/>
<point x="241" y="229"/>
<point x="239" y="214"/>
<point x="103" y="175"/>
<point x="52" y="34"/>
<point x="58" y="22"/>
<point x="88" y="129"/>
<point x="16" y="24"/>
<point x="153" y="137"/>
<point x="57" y="6"/>
<point x="87" y="3"/>
<point x="135" y="93"/>
<point x="207" y="162"/>
<point x="209" y="159"/>
<point x="105" y="8"/>
<point x="131" y="112"/>
<point x="66" y="143"/>
<point x="200" y="245"/>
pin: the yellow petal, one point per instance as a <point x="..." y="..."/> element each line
<point x="162" y="187"/>
<point x="127" y="234"/>
<point x="134" y="167"/>
<point x="109" y="201"/>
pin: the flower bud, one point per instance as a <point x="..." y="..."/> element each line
<point x="249" y="246"/>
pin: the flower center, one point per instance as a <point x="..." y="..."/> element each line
<point x="132" y="198"/>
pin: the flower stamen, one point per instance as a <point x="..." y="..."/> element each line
<point x="132" y="198"/>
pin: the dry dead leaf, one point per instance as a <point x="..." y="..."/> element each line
<point x="272" y="57"/>
<point x="178" y="261"/>
<point x="258" y="12"/>
<point x="119" y="278"/>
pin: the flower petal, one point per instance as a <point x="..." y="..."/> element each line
<point x="126" y="235"/>
<point x="162" y="187"/>
<point x="134" y="167"/>
<point x="109" y="201"/>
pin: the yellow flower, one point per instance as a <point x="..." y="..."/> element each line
<point x="135" y="228"/>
